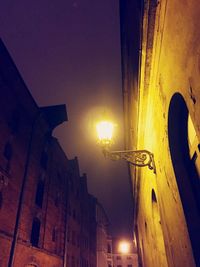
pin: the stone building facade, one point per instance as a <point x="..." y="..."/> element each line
<point x="102" y="236"/>
<point x="109" y="251"/>
<point x="160" y="66"/>
<point x="33" y="167"/>
<point x="88" y="226"/>
<point x="74" y="215"/>
<point x="129" y="259"/>
<point x="47" y="216"/>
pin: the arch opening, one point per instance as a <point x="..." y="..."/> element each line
<point x="184" y="168"/>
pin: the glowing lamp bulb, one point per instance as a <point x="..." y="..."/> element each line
<point x="105" y="131"/>
<point x="124" y="247"/>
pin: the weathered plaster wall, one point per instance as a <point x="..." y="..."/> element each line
<point x="169" y="64"/>
<point x="173" y="67"/>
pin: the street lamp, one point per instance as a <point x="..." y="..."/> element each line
<point x="140" y="158"/>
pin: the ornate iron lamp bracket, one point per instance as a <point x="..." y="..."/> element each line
<point x="140" y="158"/>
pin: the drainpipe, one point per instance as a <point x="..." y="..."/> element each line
<point x="21" y="197"/>
<point x="66" y="226"/>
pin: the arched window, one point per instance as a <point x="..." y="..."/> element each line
<point x="39" y="193"/>
<point x="35" y="232"/>
<point x="181" y="136"/>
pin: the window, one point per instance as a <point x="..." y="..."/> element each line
<point x="118" y="257"/>
<point x="78" y="240"/>
<point x="14" y="121"/>
<point x="39" y="194"/>
<point x="35" y="232"/>
<point x="86" y="243"/>
<point x="119" y="266"/>
<point x="8" y="154"/>
<point x="54" y="234"/>
<point x="68" y="234"/>
<point x="44" y="160"/>
<point x="129" y="265"/>
<point x="69" y="209"/>
<point x="71" y="185"/>
<point x="7" y="151"/>
<point x="57" y="199"/>
<point x="58" y="190"/>
<point x="74" y="214"/>
<point x="73" y="261"/>
<point x="1" y="200"/>
<point x="78" y="218"/>
<point x="109" y="248"/>
<point x="73" y="237"/>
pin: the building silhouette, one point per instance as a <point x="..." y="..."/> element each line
<point x="102" y="236"/>
<point x="160" y="68"/>
<point x="47" y="216"/>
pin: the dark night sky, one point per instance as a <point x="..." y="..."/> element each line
<point x="68" y="52"/>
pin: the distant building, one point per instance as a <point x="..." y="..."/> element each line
<point x="88" y="226"/>
<point x="102" y="236"/>
<point x="109" y="251"/>
<point x="73" y="248"/>
<point x="129" y="259"/>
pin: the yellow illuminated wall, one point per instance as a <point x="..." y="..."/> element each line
<point x="168" y="68"/>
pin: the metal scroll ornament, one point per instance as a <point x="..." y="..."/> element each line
<point x="140" y="158"/>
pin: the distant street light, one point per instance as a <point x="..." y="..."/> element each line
<point x="140" y="158"/>
<point x="124" y="247"/>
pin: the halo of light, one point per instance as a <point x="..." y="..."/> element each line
<point x="105" y="131"/>
<point x="124" y="247"/>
